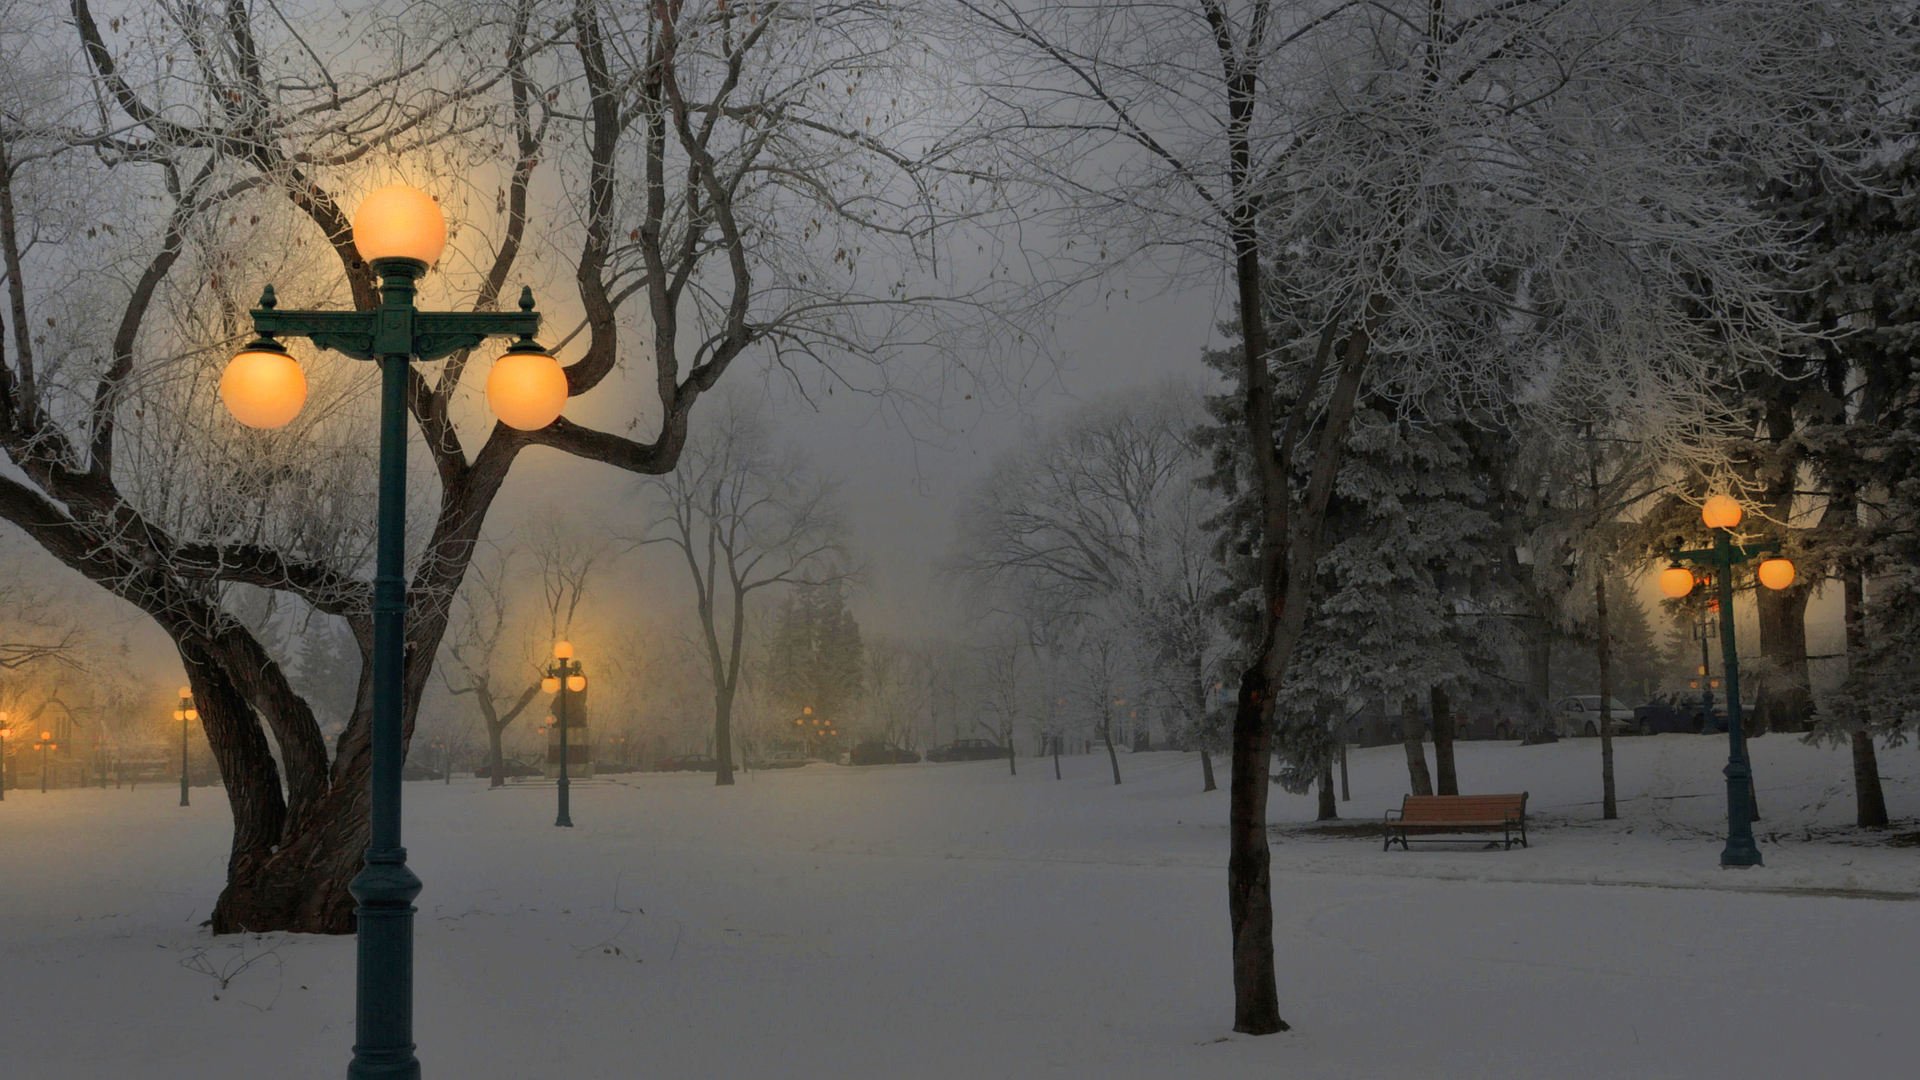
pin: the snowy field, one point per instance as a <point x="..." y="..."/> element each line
<point x="951" y="921"/>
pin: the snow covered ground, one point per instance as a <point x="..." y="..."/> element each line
<point x="951" y="921"/>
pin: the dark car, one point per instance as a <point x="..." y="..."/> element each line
<point x="410" y="771"/>
<point x="879" y="753"/>
<point x="967" y="750"/>
<point x="689" y="763"/>
<point x="1678" y="711"/>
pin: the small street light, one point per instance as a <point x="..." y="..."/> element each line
<point x="400" y="232"/>
<point x="45" y="744"/>
<point x="186" y="714"/>
<point x="563" y="677"/>
<point x="1721" y="514"/>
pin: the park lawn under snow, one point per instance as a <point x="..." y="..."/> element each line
<point x="952" y="921"/>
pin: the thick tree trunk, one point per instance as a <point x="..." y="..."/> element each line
<point x="1013" y="765"/>
<point x="1447" y="780"/>
<point x="1785" y="700"/>
<point x="1249" y="885"/>
<point x="1603" y="648"/>
<point x="1206" y="771"/>
<point x="1419" y="781"/>
<point x="1329" y="810"/>
<point x="1869" y="801"/>
<point x="302" y="887"/>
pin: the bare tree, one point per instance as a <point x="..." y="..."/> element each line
<point x="744" y="516"/>
<point x="501" y="682"/>
<point x="716" y="181"/>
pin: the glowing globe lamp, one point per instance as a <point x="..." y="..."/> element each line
<point x="576" y="683"/>
<point x="399" y="222"/>
<point x="549" y="685"/>
<point x="1676" y="581"/>
<point x="263" y="387"/>
<point x="1776" y="573"/>
<point x="563" y="650"/>
<point x="527" y="388"/>
<point x="1721" y="512"/>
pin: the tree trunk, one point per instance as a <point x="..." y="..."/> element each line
<point x="1013" y="767"/>
<point x="1206" y="771"/>
<point x="1106" y="736"/>
<point x="1784" y="701"/>
<point x="1346" y="794"/>
<point x="1418" y="780"/>
<point x="723" y="738"/>
<point x="1329" y="810"/>
<point x="1603" y="648"/>
<point x="1869" y="801"/>
<point x="496" y="754"/>
<point x="1447" y="779"/>
<point x="1249" y="887"/>
<point x="1055" y="740"/>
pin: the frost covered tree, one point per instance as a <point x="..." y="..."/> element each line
<point x="1487" y="201"/>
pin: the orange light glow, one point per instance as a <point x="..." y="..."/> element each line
<point x="549" y="685"/>
<point x="1721" y="512"/>
<point x="1776" y="573"/>
<point x="399" y="222"/>
<point x="563" y="650"/>
<point x="576" y="683"/>
<point x="263" y="389"/>
<point x="527" y="390"/>
<point x="1676" y="581"/>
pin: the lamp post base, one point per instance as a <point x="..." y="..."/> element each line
<point x="565" y="819"/>
<point x="1740" y="851"/>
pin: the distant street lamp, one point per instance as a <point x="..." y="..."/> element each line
<point x="1721" y="513"/>
<point x="186" y="714"/>
<point x="6" y="733"/>
<point x="563" y="677"/>
<point x="45" y="744"/>
<point x="400" y="232"/>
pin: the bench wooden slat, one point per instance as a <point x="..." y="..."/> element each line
<point x="1458" y="813"/>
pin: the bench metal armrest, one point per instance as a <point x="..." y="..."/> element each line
<point x="1394" y="813"/>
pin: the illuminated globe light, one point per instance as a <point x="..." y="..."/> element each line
<point x="399" y="222"/>
<point x="1721" y="512"/>
<point x="549" y="685"/>
<point x="1776" y="573"/>
<point x="527" y="388"/>
<point x="563" y="650"/>
<point x="576" y="683"/>
<point x="1676" y="581"/>
<point x="263" y="387"/>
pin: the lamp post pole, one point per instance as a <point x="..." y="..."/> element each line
<point x="6" y="734"/>
<point x="45" y="744"/>
<point x="399" y="232"/>
<point x="564" y="676"/>
<point x="1721" y="514"/>
<point x="184" y="713"/>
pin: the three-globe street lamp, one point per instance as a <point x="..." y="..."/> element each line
<point x="563" y="677"/>
<point x="400" y="232"/>
<point x="45" y="744"/>
<point x="1721" y="513"/>
<point x="186" y="714"/>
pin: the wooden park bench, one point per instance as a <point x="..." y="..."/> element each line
<point x="1428" y="814"/>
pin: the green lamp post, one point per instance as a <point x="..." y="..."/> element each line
<point x="1721" y="513"/>
<point x="400" y="232"/>
<point x="563" y="677"/>
<point x="186" y="714"/>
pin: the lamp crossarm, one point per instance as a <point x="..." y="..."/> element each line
<point x="1738" y="553"/>
<point x="432" y="335"/>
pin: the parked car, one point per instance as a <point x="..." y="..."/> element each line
<point x="780" y="759"/>
<point x="689" y="763"/>
<point x="1580" y="715"/>
<point x="411" y="771"/>
<point x="1678" y="711"/>
<point x="875" y="752"/>
<point x="508" y="768"/>
<point x="967" y="750"/>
